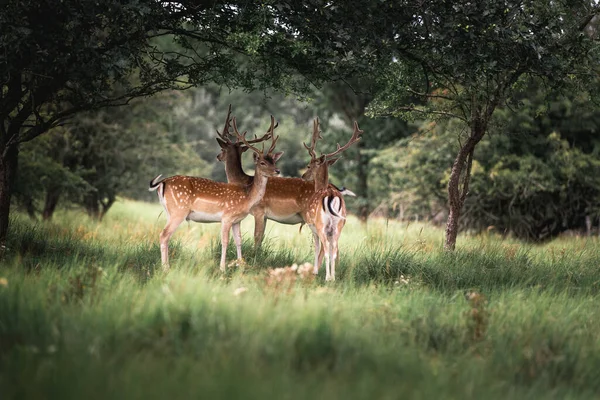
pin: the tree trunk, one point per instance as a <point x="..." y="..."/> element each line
<point x="52" y="197"/>
<point x="588" y="225"/>
<point x="456" y="196"/>
<point x="106" y="205"/>
<point x="362" y="184"/>
<point x="30" y="207"/>
<point x="92" y="205"/>
<point x="452" y="228"/>
<point x="8" y="171"/>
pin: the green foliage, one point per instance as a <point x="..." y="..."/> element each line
<point x="68" y="56"/>
<point x="106" y="153"/>
<point x="542" y="177"/>
<point x="535" y="175"/>
<point x="411" y="176"/>
<point x="461" y="59"/>
<point x="43" y="167"/>
<point x="122" y="148"/>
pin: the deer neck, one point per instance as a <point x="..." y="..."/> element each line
<point x="257" y="189"/>
<point x="321" y="178"/>
<point x="233" y="169"/>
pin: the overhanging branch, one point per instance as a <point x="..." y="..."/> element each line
<point x="432" y="112"/>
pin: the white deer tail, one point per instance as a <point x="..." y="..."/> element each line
<point x="155" y="183"/>
<point x="347" y="192"/>
<point x="344" y="191"/>
<point x="159" y="185"/>
<point x="333" y="205"/>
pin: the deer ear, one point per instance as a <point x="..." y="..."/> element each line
<point x="244" y="149"/>
<point x="222" y="143"/>
<point x="277" y="156"/>
<point x="332" y="161"/>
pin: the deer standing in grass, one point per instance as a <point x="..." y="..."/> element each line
<point x="204" y="200"/>
<point x="325" y="212"/>
<point x="284" y="198"/>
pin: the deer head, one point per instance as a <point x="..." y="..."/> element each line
<point x="264" y="161"/>
<point x="318" y="167"/>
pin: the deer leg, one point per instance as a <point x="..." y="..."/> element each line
<point x="333" y="243"/>
<point x="165" y="236"/>
<point x="260" y="223"/>
<point x="324" y="250"/>
<point x="237" y="236"/>
<point x="318" y="250"/>
<point x="321" y="253"/>
<point x="327" y="245"/>
<point x="225" y="227"/>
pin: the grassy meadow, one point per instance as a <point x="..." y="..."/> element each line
<point x="86" y="312"/>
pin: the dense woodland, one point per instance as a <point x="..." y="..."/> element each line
<point x="479" y="115"/>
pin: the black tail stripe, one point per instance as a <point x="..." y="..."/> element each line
<point x="331" y="210"/>
<point x="329" y="205"/>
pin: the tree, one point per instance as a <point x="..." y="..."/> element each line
<point x="535" y="175"/>
<point x="538" y="172"/>
<point x="61" y="58"/>
<point x="44" y="174"/>
<point x="466" y="58"/>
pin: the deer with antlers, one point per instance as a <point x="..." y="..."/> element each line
<point x="204" y="200"/>
<point x="284" y="198"/>
<point x="325" y="212"/>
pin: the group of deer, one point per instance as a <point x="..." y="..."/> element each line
<point x="310" y="200"/>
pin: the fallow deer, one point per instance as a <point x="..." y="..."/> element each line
<point x="284" y="198"/>
<point x="325" y="212"/>
<point x="204" y="200"/>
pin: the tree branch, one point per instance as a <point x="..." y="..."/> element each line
<point x="430" y="96"/>
<point x="432" y="112"/>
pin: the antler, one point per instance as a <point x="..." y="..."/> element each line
<point x="256" y="139"/>
<point x="242" y="137"/>
<point x="355" y="138"/>
<point x="225" y="135"/>
<point x="273" y="138"/>
<point x="315" y="137"/>
<point x="266" y="136"/>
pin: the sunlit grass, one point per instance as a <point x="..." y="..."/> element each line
<point x="85" y="310"/>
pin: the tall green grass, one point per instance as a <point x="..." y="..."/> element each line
<point x="85" y="310"/>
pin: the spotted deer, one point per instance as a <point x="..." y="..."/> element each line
<point x="284" y="198"/>
<point x="325" y="212"/>
<point x="204" y="200"/>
